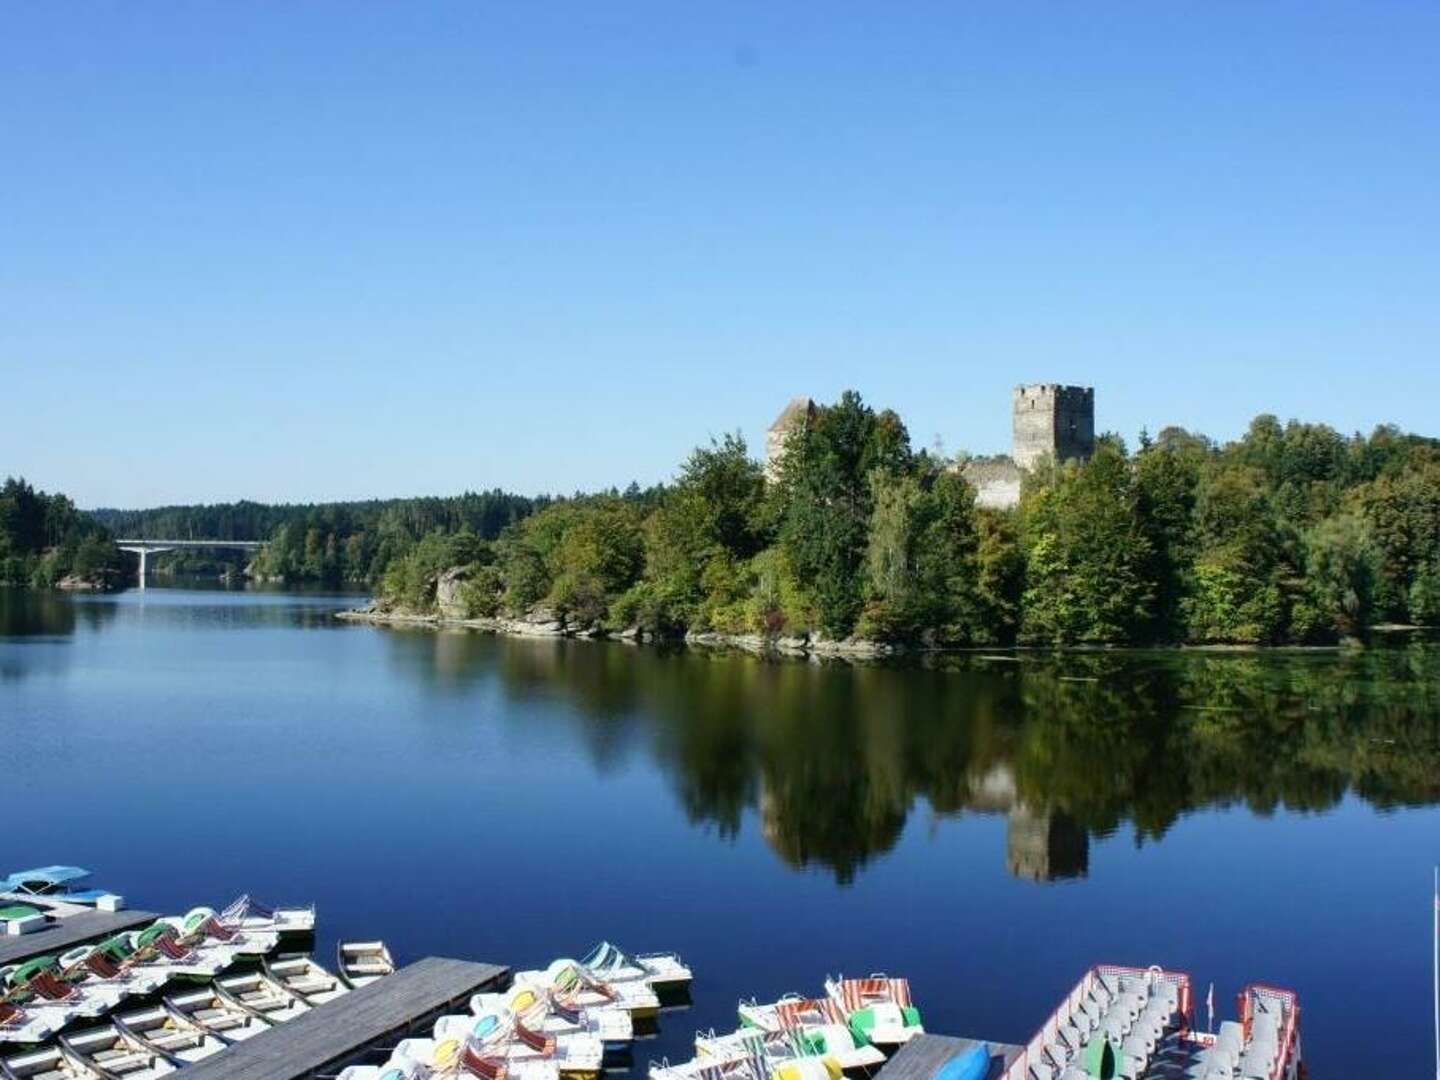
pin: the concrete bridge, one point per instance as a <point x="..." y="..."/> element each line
<point x="146" y="548"/>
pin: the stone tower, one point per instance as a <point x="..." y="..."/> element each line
<point x="1052" y="420"/>
<point x="801" y="412"/>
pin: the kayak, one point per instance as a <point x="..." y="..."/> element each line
<point x="973" y="1064"/>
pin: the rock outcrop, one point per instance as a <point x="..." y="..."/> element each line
<point x="448" y="601"/>
<point x="543" y="621"/>
<point x="104" y="581"/>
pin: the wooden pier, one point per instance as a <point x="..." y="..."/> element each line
<point x="70" y="931"/>
<point x="336" y="1034"/>
<point x="922" y="1057"/>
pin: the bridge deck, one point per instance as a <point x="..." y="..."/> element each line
<point x="146" y="542"/>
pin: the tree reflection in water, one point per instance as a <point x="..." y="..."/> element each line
<point x="834" y="758"/>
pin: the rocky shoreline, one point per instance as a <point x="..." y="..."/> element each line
<point x="105" y="581"/>
<point x="542" y="623"/>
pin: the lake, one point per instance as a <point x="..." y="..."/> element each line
<point x="988" y="826"/>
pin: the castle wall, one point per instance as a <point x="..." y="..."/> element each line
<point x="774" y="453"/>
<point x="996" y="481"/>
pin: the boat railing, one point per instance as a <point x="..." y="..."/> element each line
<point x="1049" y="1033"/>
<point x="1289" y="1028"/>
<point x="1034" y="1052"/>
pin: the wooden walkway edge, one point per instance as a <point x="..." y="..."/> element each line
<point x="71" y="930"/>
<point x="922" y="1056"/>
<point x="330" y="1036"/>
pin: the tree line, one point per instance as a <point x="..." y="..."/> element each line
<point x="328" y="543"/>
<point x="1292" y="533"/>
<point x="45" y="539"/>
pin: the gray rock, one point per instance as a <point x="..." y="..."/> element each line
<point x="448" y="601"/>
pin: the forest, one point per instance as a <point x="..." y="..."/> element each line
<point x="1293" y="533"/>
<point x="45" y="540"/>
<point x="340" y="543"/>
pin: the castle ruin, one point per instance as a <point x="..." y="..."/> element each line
<point x="800" y="413"/>
<point x="1049" y="421"/>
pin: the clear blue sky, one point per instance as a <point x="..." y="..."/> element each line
<point x="326" y="250"/>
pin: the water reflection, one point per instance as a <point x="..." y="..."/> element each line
<point x="39" y="628"/>
<point x="36" y="628"/>
<point x="832" y="760"/>
<point x="34" y="613"/>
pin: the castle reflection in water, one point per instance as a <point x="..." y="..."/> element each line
<point x="833" y="758"/>
<point x="1041" y="843"/>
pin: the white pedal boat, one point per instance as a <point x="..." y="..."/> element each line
<point x="452" y="1057"/>
<point x="539" y="1009"/>
<point x="571" y="982"/>
<point x="249" y="914"/>
<point x="663" y="972"/>
<point x="818" y="1027"/>
<point x="877" y="1009"/>
<point x="105" y="968"/>
<point x="576" y="1054"/>
<point x="203" y="925"/>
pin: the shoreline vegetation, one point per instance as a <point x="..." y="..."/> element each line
<point x="851" y="542"/>
<point x="854" y="544"/>
<point x="46" y="543"/>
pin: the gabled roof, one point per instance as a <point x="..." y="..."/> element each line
<point x="48" y="875"/>
<point x="799" y="409"/>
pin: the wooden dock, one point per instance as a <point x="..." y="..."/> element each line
<point x="922" y="1056"/>
<point x="333" y="1035"/>
<point x="69" y="931"/>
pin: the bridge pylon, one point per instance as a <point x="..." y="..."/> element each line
<point x="146" y="548"/>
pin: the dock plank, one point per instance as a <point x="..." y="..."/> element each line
<point x="71" y="930"/>
<point x="922" y="1056"/>
<point x="331" y="1035"/>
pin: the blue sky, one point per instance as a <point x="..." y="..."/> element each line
<point x="332" y="250"/>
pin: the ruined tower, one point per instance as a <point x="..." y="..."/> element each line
<point x="800" y="413"/>
<point x="1052" y="420"/>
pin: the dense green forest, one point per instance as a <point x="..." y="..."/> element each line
<point x="44" y="539"/>
<point x="1293" y="533"/>
<point x="330" y="543"/>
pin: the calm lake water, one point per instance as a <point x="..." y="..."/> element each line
<point x="988" y="827"/>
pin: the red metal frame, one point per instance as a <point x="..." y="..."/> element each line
<point x="1289" y="1033"/>
<point x="1035" y="1049"/>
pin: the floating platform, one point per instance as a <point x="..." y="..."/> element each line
<point x="923" y="1056"/>
<point x="71" y="930"/>
<point x="333" y="1035"/>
